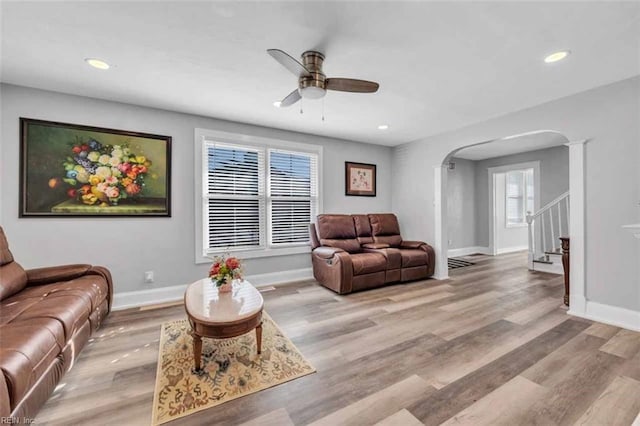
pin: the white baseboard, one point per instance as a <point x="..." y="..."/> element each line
<point x="612" y="315"/>
<point x="506" y="250"/>
<point x="466" y="251"/>
<point x="134" y="299"/>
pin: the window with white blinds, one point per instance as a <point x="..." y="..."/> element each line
<point x="257" y="197"/>
<point x="293" y="196"/>
<point x="234" y="197"/>
<point x="519" y="196"/>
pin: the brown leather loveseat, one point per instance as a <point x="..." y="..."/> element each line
<point x="357" y="252"/>
<point x="46" y="317"/>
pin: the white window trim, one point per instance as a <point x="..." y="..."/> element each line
<point x="249" y="140"/>
<point x="506" y="197"/>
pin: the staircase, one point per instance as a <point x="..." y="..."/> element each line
<point x="545" y="252"/>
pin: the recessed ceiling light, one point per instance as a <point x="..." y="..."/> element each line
<point x="557" y="56"/>
<point x="383" y="127"/>
<point x="97" y="63"/>
<point x="277" y="104"/>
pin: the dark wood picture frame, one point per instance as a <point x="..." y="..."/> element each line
<point x="360" y="179"/>
<point x="72" y="170"/>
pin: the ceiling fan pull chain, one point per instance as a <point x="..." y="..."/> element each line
<point x="323" y="110"/>
<point x="301" y="111"/>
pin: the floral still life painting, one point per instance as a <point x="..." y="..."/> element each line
<point x="360" y="179"/>
<point x="73" y="170"/>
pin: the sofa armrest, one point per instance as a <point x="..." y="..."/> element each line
<point x="375" y="246"/>
<point x="333" y="269"/>
<point x="327" y="252"/>
<point x="106" y="275"/>
<point x="54" y="274"/>
<point x="411" y="244"/>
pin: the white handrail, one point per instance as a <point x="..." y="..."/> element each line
<point x="548" y="206"/>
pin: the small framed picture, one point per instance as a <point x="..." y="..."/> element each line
<point x="360" y="179"/>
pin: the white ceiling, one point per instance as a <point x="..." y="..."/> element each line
<point x="509" y="146"/>
<point x="440" y="65"/>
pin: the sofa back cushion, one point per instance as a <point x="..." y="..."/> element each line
<point x="385" y="229"/>
<point x="363" y="228"/>
<point x="338" y="230"/>
<point x="12" y="277"/>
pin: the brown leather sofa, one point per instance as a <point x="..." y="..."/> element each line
<point x="46" y="317"/>
<point x="357" y="252"/>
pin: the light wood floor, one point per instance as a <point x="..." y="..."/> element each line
<point x="490" y="346"/>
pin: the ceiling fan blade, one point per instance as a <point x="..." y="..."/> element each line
<point x="291" y="99"/>
<point x="289" y="62"/>
<point x="351" y="85"/>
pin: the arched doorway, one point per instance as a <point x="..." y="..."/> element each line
<point x="577" y="203"/>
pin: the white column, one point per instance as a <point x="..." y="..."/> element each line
<point x="577" y="292"/>
<point x="441" y="243"/>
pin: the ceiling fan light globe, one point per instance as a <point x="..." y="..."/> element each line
<point x="312" y="92"/>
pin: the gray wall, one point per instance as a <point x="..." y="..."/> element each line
<point x="462" y="206"/>
<point x="130" y="246"/>
<point x="554" y="180"/>
<point x="608" y="117"/>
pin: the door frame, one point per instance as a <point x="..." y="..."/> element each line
<point x="492" y="171"/>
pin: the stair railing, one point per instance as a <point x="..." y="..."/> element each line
<point x="551" y="213"/>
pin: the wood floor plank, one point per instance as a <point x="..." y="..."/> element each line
<point x="278" y="417"/>
<point x="466" y="303"/>
<point x="500" y="406"/>
<point x="378" y="406"/>
<point x="534" y="311"/>
<point x="624" y="344"/>
<point x="604" y="331"/>
<point x="400" y="418"/>
<point x="615" y="406"/>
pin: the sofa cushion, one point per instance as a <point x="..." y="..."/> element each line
<point x="12" y="279"/>
<point x="350" y="246"/>
<point x="412" y="257"/>
<point x="363" y="228"/>
<point x="367" y="263"/>
<point x="385" y="229"/>
<point x="384" y="224"/>
<point x="336" y="227"/>
<point x="28" y="348"/>
<point x="69" y="309"/>
<point x="5" y="253"/>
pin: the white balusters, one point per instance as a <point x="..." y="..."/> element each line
<point x="553" y="233"/>
<point x="544" y="234"/>
<point x="554" y="214"/>
<point x="560" y="221"/>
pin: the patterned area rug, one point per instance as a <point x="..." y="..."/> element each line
<point x="231" y="368"/>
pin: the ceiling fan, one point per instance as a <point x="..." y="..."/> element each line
<point x="312" y="83"/>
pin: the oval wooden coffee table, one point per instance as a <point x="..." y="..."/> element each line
<point x="222" y="315"/>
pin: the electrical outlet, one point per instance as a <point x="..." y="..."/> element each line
<point x="148" y="277"/>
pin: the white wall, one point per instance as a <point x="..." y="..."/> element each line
<point x="609" y="117"/>
<point x="130" y="246"/>
<point x="461" y="206"/>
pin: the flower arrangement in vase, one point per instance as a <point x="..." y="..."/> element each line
<point x="224" y="270"/>
<point x="102" y="175"/>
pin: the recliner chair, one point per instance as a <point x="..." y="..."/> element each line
<point x="357" y="252"/>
